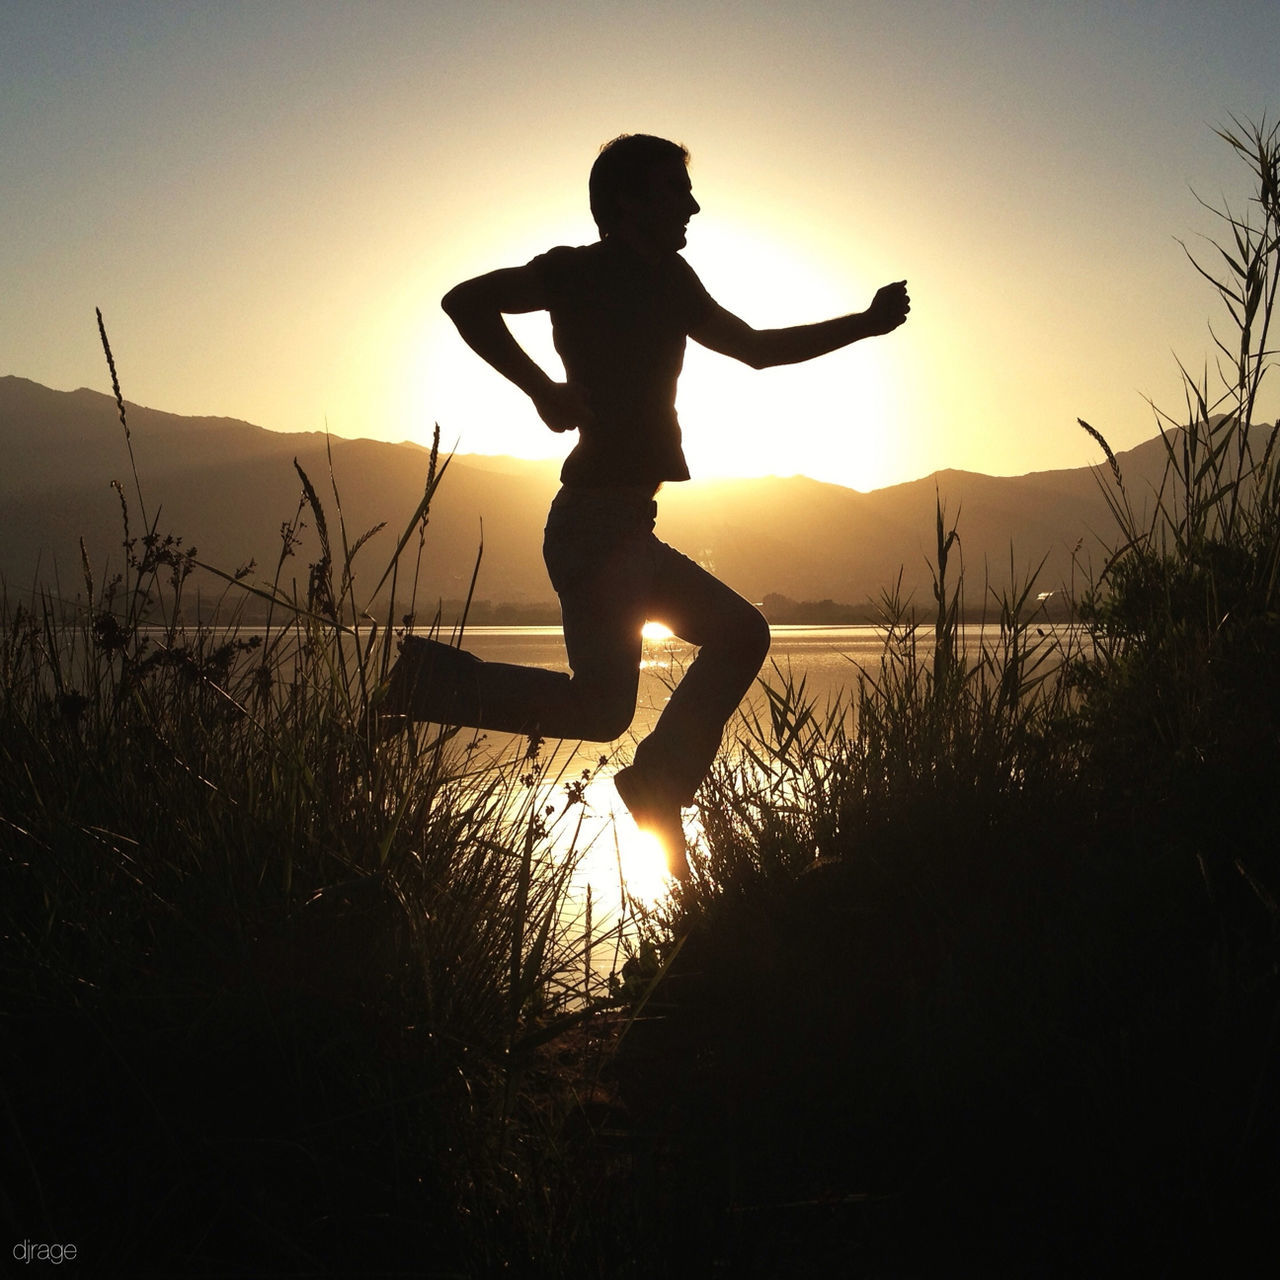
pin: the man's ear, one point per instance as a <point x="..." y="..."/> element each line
<point x="627" y="202"/>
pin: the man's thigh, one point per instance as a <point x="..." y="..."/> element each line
<point x="695" y="604"/>
<point x="603" y="612"/>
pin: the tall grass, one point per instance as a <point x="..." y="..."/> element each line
<point x="978" y="965"/>
<point x="953" y="716"/>
<point x="1185" y="612"/>
<point x="279" y="996"/>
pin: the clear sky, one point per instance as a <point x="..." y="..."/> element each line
<point x="267" y="199"/>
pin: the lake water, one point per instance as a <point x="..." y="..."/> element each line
<point x="826" y="656"/>
<point x="829" y="659"/>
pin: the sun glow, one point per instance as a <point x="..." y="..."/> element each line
<point x="657" y="631"/>
<point x="646" y="872"/>
<point x="824" y="418"/>
<point x="620" y="855"/>
<point x="834" y="418"/>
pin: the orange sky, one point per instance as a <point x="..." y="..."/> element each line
<point x="267" y="201"/>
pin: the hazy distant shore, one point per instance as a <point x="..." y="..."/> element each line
<point x="810" y="552"/>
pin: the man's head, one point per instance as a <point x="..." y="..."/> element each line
<point x="632" y="175"/>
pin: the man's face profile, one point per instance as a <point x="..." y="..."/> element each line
<point x="655" y="218"/>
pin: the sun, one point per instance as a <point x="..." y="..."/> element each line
<point x="647" y="875"/>
<point x="619" y="856"/>
<point x="826" y="418"/>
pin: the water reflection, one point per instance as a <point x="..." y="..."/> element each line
<point x="621" y="859"/>
<point x="618" y="866"/>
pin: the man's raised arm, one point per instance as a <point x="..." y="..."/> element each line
<point x="724" y="332"/>
<point x="477" y="306"/>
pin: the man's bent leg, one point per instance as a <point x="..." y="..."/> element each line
<point x="597" y="553"/>
<point x="733" y="640"/>
<point x="434" y="681"/>
<point x="604" y="570"/>
<point x="603" y="615"/>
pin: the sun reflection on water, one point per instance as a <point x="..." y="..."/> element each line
<point x="615" y="874"/>
<point x="620" y="858"/>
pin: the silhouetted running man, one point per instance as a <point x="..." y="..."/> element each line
<point x="621" y="310"/>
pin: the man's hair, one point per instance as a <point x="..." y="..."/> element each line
<point x="623" y="168"/>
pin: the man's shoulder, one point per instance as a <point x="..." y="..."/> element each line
<point x="585" y="274"/>
<point x="565" y="254"/>
<point x="603" y="254"/>
<point x="697" y="299"/>
<point x="566" y="268"/>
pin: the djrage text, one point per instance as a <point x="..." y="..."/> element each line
<point x="28" y="1251"/>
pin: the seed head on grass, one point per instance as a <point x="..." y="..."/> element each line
<point x="1106" y="448"/>
<point x="111" y="365"/>
<point x="124" y="421"/>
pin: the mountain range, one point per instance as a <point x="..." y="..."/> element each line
<point x="226" y="487"/>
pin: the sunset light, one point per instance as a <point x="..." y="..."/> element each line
<point x="619" y="855"/>
<point x="692" y="743"/>
<point x="644" y="867"/>
<point x="830" y="418"/>
<point x="1029" y="196"/>
<point x="835" y="418"/>
<point x="635" y="861"/>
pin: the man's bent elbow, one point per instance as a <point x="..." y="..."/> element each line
<point x="455" y="301"/>
<point x="754" y="352"/>
<point x="769" y="349"/>
<point x="471" y="297"/>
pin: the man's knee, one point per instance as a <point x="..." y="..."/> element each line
<point x="603" y="714"/>
<point x="751" y="637"/>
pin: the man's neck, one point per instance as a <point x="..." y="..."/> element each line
<point x="638" y="246"/>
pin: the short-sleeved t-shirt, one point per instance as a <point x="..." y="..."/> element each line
<point x="619" y="323"/>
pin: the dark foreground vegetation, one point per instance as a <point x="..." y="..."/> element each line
<point x="977" y="973"/>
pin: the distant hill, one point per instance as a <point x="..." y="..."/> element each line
<point x="226" y="487"/>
